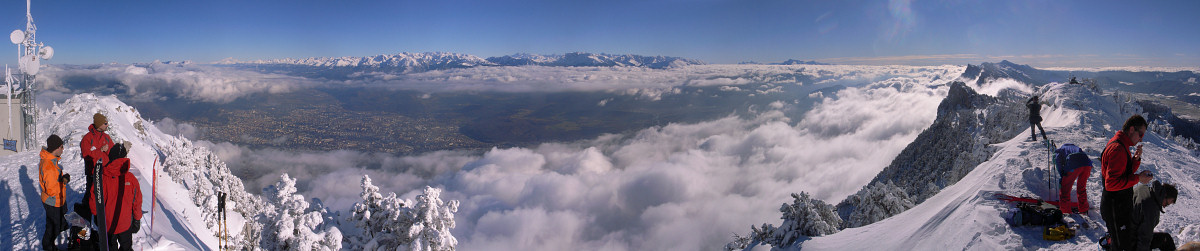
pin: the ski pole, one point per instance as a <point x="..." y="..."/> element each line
<point x="153" y="190"/>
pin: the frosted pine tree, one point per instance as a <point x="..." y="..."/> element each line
<point x="805" y="216"/>
<point x="383" y="221"/>
<point x="877" y="202"/>
<point x="296" y="225"/>
<point x="367" y="216"/>
<point x="203" y="173"/>
<point x="390" y="223"/>
<point x="431" y="230"/>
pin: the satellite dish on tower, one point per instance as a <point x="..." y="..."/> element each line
<point x="17" y="36"/>
<point x="46" y="52"/>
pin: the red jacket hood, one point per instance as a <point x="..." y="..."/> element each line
<point x="117" y="167"/>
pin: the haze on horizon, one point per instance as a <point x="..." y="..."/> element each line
<point x="1038" y="33"/>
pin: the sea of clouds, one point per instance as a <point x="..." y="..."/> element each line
<point x="679" y="186"/>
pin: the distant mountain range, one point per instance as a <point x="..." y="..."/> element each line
<point x="801" y="62"/>
<point x="594" y="59"/>
<point x="428" y="61"/>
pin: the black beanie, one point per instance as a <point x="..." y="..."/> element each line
<point x="53" y="142"/>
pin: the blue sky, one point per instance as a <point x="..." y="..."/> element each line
<point x="1039" y="33"/>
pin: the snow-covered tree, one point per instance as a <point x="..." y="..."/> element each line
<point x="390" y="223"/>
<point x="434" y="219"/>
<point x="204" y="174"/>
<point x="878" y="202"/>
<point x="805" y="216"/>
<point x="295" y="224"/>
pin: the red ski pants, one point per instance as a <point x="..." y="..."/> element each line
<point x="1079" y="176"/>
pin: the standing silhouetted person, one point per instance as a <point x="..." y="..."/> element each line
<point x="1035" y="118"/>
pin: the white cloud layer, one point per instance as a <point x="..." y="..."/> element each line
<point x="218" y="84"/>
<point x="678" y="187"/>
<point x="194" y="82"/>
<point x="994" y="87"/>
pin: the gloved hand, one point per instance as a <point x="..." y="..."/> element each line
<point x="65" y="178"/>
<point x="135" y="226"/>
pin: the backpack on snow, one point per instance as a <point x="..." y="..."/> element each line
<point x="1026" y="214"/>
<point x="1068" y="157"/>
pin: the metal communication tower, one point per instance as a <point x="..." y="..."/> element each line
<point x="29" y="52"/>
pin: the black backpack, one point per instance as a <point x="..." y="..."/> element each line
<point x="1036" y="215"/>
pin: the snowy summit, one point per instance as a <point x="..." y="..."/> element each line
<point x="183" y="214"/>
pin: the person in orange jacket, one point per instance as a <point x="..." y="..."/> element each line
<point x="53" y="185"/>
<point x="94" y="146"/>
<point x="122" y="196"/>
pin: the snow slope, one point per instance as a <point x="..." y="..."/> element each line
<point x="963" y="216"/>
<point x="178" y="223"/>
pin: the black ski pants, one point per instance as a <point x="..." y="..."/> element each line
<point x="55" y="223"/>
<point x="1116" y="208"/>
<point x="125" y="240"/>
<point x="1037" y="125"/>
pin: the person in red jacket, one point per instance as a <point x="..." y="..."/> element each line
<point x="94" y="146"/>
<point x="1118" y="169"/>
<point x="122" y="196"/>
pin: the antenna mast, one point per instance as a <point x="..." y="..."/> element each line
<point x="29" y="52"/>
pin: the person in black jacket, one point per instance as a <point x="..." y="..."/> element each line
<point x="1035" y="117"/>
<point x="1148" y="203"/>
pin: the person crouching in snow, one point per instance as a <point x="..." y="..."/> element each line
<point x="1148" y="203"/>
<point x="1082" y="169"/>
<point x="122" y="199"/>
<point x="53" y="184"/>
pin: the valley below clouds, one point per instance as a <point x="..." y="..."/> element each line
<point x="621" y="157"/>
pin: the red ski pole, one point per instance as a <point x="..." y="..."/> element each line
<point x="153" y="189"/>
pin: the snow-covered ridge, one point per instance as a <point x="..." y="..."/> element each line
<point x="183" y="179"/>
<point x="961" y="138"/>
<point x="963" y="215"/>
<point x="182" y="220"/>
<point x="428" y="61"/>
<point x="987" y="72"/>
